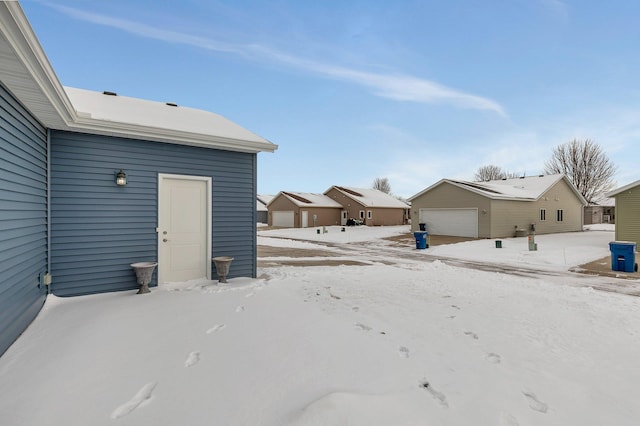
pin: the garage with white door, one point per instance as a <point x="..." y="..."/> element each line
<point x="283" y="219"/>
<point x="452" y="222"/>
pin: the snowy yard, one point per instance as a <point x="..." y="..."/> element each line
<point x="401" y="340"/>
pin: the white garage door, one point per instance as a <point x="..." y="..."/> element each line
<point x="283" y="219"/>
<point x="453" y="222"/>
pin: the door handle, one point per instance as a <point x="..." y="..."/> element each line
<point x="164" y="240"/>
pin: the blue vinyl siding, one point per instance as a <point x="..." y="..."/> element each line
<point x="23" y="218"/>
<point x="98" y="229"/>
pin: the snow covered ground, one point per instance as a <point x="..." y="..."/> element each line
<point x="401" y="340"/>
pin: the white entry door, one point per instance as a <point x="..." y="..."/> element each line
<point x="344" y="217"/>
<point x="184" y="228"/>
<point x="305" y="219"/>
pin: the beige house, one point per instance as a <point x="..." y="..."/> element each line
<point x="499" y="208"/>
<point x="603" y="210"/>
<point x="371" y="206"/>
<point x="627" y="212"/>
<point x="302" y="210"/>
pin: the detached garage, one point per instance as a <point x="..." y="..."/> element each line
<point x="499" y="208"/>
<point x="454" y="222"/>
<point x="303" y="210"/>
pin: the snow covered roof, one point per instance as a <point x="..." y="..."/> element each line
<point x="28" y="74"/>
<point x="307" y="199"/>
<point x="262" y="201"/>
<point x="371" y="197"/>
<point x="265" y="198"/>
<point x="529" y="188"/>
<point x="175" y="122"/>
<point x="603" y="200"/>
<point x="623" y="188"/>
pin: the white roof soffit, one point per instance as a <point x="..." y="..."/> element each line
<point x="27" y="73"/>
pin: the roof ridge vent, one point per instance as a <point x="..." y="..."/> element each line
<point x="108" y="93"/>
<point x="173" y="104"/>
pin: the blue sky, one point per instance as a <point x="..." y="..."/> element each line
<point x="414" y="91"/>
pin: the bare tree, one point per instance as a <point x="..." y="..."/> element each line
<point x="382" y="184"/>
<point x="489" y="172"/>
<point x="512" y="175"/>
<point x="492" y="172"/>
<point x="586" y="166"/>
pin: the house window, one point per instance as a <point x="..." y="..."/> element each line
<point x="559" y="215"/>
<point x="369" y="214"/>
<point x="543" y="215"/>
<point x="361" y="214"/>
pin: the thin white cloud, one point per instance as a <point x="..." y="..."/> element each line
<point x="396" y="87"/>
<point x="557" y="7"/>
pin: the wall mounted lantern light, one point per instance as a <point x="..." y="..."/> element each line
<point x="121" y="178"/>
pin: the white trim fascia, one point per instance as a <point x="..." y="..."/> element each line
<point x="274" y="197"/>
<point x="429" y="188"/>
<point x="622" y="189"/>
<point x="133" y="131"/>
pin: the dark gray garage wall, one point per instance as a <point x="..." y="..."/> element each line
<point x="99" y="229"/>
<point x="23" y="218"/>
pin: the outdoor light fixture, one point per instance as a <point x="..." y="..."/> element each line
<point x="121" y="178"/>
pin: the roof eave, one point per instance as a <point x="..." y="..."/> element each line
<point x="622" y="189"/>
<point x="133" y="131"/>
<point x="38" y="69"/>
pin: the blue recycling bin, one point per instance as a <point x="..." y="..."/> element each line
<point x="421" y="239"/>
<point x="623" y="256"/>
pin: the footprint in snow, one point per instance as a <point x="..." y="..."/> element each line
<point x="248" y="295"/>
<point x="216" y="327"/>
<point x="363" y="327"/>
<point x="438" y="396"/>
<point x="240" y="308"/>
<point x="192" y="359"/>
<point x="403" y="351"/>
<point x="472" y="334"/>
<point x="355" y="309"/>
<point x="534" y="402"/>
<point x="493" y="358"/>
<point x="144" y="394"/>
<point x="507" y="419"/>
<point x="455" y="307"/>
